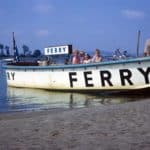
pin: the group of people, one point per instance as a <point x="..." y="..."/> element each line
<point x="80" y="57"/>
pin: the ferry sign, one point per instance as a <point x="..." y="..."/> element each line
<point x="58" y="50"/>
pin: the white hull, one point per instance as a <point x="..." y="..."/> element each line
<point x="115" y="75"/>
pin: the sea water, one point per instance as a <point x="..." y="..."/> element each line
<point x="24" y="99"/>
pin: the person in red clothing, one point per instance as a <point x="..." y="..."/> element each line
<point x="76" y="57"/>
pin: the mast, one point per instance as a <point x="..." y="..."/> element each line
<point x="15" y="49"/>
<point x="138" y="43"/>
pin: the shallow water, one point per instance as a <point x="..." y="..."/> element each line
<point x="23" y="99"/>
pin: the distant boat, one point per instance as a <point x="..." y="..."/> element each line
<point x="8" y="60"/>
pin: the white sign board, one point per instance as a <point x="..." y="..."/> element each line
<point x="58" y="50"/>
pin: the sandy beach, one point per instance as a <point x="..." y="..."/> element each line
<point x="115" y="127"/>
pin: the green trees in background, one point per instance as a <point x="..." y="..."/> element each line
<point x="1" y="49"/>
<point x="37" y="53"/>
<point x="7" y="50"/>
<point x="4" y="50"/>
<point x="25" y="49"/>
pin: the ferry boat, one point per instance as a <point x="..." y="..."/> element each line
<point x="127" y="75"/>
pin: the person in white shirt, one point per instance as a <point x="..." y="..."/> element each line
<point x="87" y="59"/>
<point x="97" y="56"/>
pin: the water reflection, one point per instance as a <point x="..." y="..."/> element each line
<point x="19" y="99"/>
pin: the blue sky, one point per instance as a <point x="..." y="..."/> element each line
<point x="87" y="24"/>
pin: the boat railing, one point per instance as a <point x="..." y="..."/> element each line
<point x="23" y="64"/>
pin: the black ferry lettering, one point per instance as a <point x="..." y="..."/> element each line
<point x="105" y="77"/>
<point x="64" y="49"/>
<point x="145" y="74"/>
<point x="55" y="50"/>
<point x="13" y="75"/>
<point x="71" y="78"/>
<point x="59" y="50"/>
<point x="8" y="76"/>
<point x="125" y="75"/>
<point x="87" y="79"/>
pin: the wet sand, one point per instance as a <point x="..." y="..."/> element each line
<point x="115" y="127"/>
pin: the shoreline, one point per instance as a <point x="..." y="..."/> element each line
<point x="121" y="126"/>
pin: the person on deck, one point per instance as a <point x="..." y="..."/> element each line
<point x="97" y="56"/>
<point x="66" y="62"/>
<point x="76" y="57"/>
<point x="147" y="48"/>
<point x="82" y="56"/>
<point x="87" y="59"/>
<point x="147" y="51"/>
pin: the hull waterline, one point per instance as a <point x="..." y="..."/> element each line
<point x="123" y="75"/>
